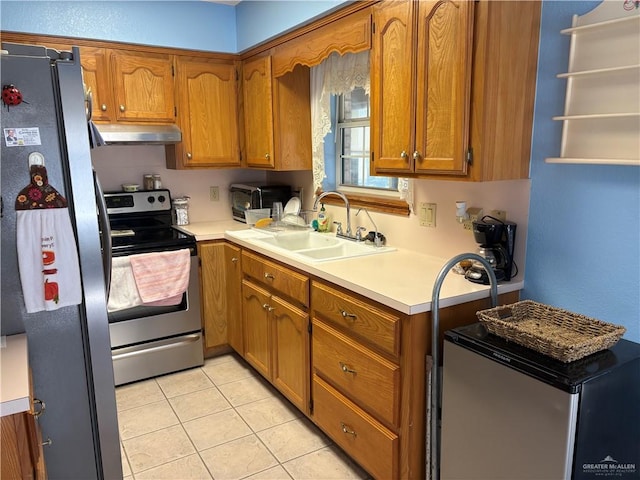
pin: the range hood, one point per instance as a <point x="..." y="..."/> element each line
<point x="122" y="134"/>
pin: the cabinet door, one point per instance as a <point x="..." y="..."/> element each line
<point x="257" y="338"/>
<point x="95" y="71"/>
<point x="214" y="294"/>
<point x="258" y="112"/>
<point x="291" y="352"/>
<point x="207" y="92"/>
<point x="233" y="274"/>
<point x="21" y="447"/>
<point x="143" y="86"/>
<point x="444" y="54"/>
<point x="392" y="100"/>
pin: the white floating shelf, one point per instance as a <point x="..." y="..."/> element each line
<point x="601" y="120"/>
<point x="599" y="71"/>
<point x="594" y="161"/>
<point x="597" y="116"/>
<point x="606" y="24"/>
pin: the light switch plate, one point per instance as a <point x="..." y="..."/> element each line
<point x="428" y="214"/>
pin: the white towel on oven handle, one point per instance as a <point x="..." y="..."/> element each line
<point x="161" y="275"/>
<point x="124" y="292"/>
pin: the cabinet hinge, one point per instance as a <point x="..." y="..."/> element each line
<point x="373" y="27"/>
<point x="470" y="156"/>
<point x="175" y="111"/>
<point x="372" y="157"/>
<point x="237" y="75"/>
<point x="173" y="71"/>
<point x="310" y="406"/>
<point x="309" y="328"/>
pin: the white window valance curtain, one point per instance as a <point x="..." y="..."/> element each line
<point x="334" y="76"/>
<point x="337" y="75"/>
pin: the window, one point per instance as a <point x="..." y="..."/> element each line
<point x="352" y="147"/>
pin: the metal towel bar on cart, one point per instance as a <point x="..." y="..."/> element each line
<point x="435" y="349"/>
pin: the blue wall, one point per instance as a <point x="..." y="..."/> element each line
<point x="260" y="20"/>
<point x="194" y="25"/>
<point x="182" y="24"/>
<point x="583" y="244"/>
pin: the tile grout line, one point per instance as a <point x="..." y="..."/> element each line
<point x="255" y="433"/>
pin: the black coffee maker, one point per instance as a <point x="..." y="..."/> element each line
<point x="497" y="241"/>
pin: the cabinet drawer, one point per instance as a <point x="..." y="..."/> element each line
<point x="363" y="375"/>
<point x="370" y="444"/>
<point x="370" y="323"/>
<point x="285" y="281"/>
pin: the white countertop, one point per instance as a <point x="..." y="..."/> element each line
<point x="211" y="230"/>
<point x="14" y="361"/>
<point x="401" y="279"/>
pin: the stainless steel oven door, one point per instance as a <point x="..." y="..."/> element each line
<point x="151" y="341"/>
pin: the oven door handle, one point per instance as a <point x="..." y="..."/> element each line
<point x="105" y="233"/>
<point x="141" y="349"/>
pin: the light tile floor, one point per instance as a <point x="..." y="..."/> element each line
<point x="221" y="421"/>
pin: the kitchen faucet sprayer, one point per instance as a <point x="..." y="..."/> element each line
<point x="377" y="240"/>
<point x="346" y="202"/>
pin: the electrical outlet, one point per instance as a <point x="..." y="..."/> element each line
<point x="214" y="194"/>
<point x="475" y="214"/>
<point x="428" y="214"/>
<point x="499" y="214"/>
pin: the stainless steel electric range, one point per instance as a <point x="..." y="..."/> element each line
<point x="146" y="340"/>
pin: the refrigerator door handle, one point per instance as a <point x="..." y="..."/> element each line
<point x="105" y="233"/>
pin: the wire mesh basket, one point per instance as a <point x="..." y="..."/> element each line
<point x="554" y="332"/>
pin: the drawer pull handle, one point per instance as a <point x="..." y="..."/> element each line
<point x="346" y="369"/>
<point x="348" y="315"/>
<point x="269" y="276"/>
<point x="41" y="409"/>
<point x="348" y="430"/>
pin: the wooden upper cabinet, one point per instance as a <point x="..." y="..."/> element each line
<point x="504" y="86"/>
<point x="143" y="86"/>
<point x="95" y="68"/>
<point x="420" y="88"/>
<point x="392" y="103"/>
<point x="207" y="93"/>
<point x="445" y="36"/>
<point x="277" y="116"/>
<point x="258" y="112"/>
<point x="453" y="88"/>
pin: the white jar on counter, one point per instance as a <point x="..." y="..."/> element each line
<point x="181" y="211"/>
<point x="157" y="182"/>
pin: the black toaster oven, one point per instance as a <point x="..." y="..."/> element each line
<point x="246" y="196"/>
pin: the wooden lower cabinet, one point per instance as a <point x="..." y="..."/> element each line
<point x="356" y="432"/>
<point x="276" y="329"/>
<point x="21" y="448"/>
<point x="355" y="367"/>
<point x="369" y="376"/>
<point x="220" y="276"/>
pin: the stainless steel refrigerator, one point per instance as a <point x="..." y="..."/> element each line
<point x="43" y="112"/>
<point x="511" y="413"/>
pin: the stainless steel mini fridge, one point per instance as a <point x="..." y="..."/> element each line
<point x="511" y="413"/>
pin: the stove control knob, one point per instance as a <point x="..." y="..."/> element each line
<point x="151" y="199"/>
<point x="161" y="198"/>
